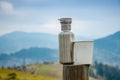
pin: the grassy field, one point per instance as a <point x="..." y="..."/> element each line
<point x="5" y="75"/>
<point x="35" y="72"/>
<point x="50" y="70"/>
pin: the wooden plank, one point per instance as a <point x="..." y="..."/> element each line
<point x="75" y="72"/>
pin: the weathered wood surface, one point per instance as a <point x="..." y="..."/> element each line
<point x="75" y="72"/>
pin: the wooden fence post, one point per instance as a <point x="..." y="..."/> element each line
<point x="75" y="72"/>
<point x="76" y="59"/>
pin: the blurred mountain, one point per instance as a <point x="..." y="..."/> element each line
<point x="16" y="41"/>
<point x="18" y="45"/>
<point x="107" y="49"/>
<point x="29" y="56"/>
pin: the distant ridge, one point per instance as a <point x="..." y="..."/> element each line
<point x="29" y="56"/>
<point x="17" y="40"/>
<point x="107" y="49"/>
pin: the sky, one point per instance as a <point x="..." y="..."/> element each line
<point x="90" y="18"/>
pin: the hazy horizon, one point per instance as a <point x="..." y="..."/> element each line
<point x="82" y="37"/>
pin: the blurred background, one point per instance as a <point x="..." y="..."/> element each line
<point x="29" y="36"/>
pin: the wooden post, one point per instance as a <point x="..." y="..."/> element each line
<point x="75" y="72"/>
<point x="74" y="67"/>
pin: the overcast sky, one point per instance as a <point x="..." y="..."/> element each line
<point x="90" y="18"/>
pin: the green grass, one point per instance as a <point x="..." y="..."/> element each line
<point x="41" y="72"/>
<point x="51" y="70"/>
<point x="22" y="75"/>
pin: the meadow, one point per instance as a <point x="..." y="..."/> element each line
<point x="11" y="74"/>
<point x="34" y="72"/>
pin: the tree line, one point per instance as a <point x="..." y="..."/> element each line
<point x="104" y="71"/>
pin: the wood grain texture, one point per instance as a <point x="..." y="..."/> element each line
<point x="75" y="72"/>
